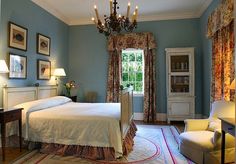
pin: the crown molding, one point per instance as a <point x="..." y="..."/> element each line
<point x="172" y="16"/>
<point x="84" y="21"/>
<point x="51" y="10"/>
<point x="203" y="8"/>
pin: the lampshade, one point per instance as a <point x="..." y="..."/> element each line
<point x="232" y="85"/>
<point x="3" y="67"/>
<point x="59" y="72"/>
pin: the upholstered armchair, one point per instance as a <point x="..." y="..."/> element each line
<point x="201" y="139"/>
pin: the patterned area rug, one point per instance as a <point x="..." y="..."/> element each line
<point x="153" y="144"/>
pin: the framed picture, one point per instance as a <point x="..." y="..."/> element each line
<point x="43" y="44"/>
<point x="17" y="36"/>
<point x="44" y="69"/>
<point x="17" y="66"/>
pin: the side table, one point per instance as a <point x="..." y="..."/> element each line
<point x="9" y="116"/>
<point x="73" y="98"/>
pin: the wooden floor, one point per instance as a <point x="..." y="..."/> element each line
<point x="13" y="153"/>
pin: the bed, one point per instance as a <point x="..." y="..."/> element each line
<point x="89" y="130"/>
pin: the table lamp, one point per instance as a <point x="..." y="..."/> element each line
<point x="59" y="72"/>
<point x="232" y="85"/>
<point x="3" y="69"/>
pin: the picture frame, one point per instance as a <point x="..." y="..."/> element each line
<point x="17" y="66"/>
<point x="43" y="44"/>
<point x="18" y="36"/>
<point x="43" y="69"/>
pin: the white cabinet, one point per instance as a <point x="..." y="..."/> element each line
<point x="180" y="83"/>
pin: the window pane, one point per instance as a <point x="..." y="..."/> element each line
<point x="124" y="57"/>
<point x="131" y="57"/>
<point x="125" y="84"/>
<point x="125" y="77"/>
<point x="125" y="67"/>
<point x="139" y="67"/>
<point x="132" y="66"/>
<point x="131" y="77"/>
<point x="139" y="86"/>
<point x="139" y="76"/>
<point x="139" y="57"/>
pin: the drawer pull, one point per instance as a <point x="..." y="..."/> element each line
<point x="230" y="128"/>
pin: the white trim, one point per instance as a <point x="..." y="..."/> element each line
<point x="159" y="116"/>
<point x="85" y="21"/>
<point x="163" y="116"/>
<point x="138" y="116"/>
<point x="52" y="10"/>
<point x="145" y="18"/>
<point x="203" y="8"/>
<point x="198" y="116"/>
<point x="138" y="94"/>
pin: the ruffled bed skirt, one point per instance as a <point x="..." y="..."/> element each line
<point x="90" y="152"/>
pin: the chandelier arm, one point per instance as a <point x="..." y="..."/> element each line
<point x="114" y="24"/>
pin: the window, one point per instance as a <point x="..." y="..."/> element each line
<point x="133" y="69"/>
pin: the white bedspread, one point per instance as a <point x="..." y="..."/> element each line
<point x="93" y="124"/>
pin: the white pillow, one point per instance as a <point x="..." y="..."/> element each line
<point x="43" y="103"/>
<point x="214" y="124"/>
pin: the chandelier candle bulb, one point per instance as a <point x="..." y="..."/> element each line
<point x="96" y="11"/>
<point x="93" y="19"/>
<point x="111" y="7"/>
<point x="133" y="17"/>
<point x="128" y="10"/>
<point x="136" y="12"/>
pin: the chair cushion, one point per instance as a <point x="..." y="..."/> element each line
<point x="201" y="140"/>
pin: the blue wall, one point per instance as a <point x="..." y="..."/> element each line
<point x="206" y="57"/>
<point x="82" y="51"/>
<point x="88" y="57"/>
<point x="36" y="20"/>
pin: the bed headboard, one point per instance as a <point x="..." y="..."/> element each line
<point x="16" y="95"/>
<point x="47" y="91"/>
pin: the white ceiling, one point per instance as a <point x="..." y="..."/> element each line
<point x="78" y="12"/>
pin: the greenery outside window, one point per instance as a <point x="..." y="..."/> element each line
<point x="133" y="69"/>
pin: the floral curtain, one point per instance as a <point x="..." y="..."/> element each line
<point x="221" y="31"/>
<point x="114" y="74"/>
<point x="221" y="17"/>
<point x="145" y="41"/>
<point x="222" y="63"/>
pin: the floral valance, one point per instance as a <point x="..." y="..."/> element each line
<point x="131" y="40"/>
<point x="221" y="17"/>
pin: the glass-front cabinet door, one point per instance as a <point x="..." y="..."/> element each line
<point x="179" y="63"/>
<point x="179" y="84"/>
<point x="179" y="73"/>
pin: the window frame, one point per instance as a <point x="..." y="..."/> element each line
<point x="132" y="50"/>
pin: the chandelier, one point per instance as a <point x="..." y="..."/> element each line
<point x="116" y="23"/>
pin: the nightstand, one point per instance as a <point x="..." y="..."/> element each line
<point x="73" y="98"/>
<point x="9" y="116"/>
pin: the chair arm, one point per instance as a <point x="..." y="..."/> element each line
<point x="229" y="140"/>
<point x="196" y="124"/>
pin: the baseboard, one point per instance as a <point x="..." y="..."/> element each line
<point x="198" y="116"/>
<point x="159" y="116"/>
<point x="163" y="116"/>
<point x="138" y="116"/>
